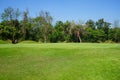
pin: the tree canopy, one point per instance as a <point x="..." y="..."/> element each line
<point x="40" y="28"/>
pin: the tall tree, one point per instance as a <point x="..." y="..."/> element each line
<point x="11" y="23"/>
<point x="76" y="32"/>
<point x="43" y="22"/>
<point x="90" y="23"/>
<point x="24" y="27"/>
<point x="100" y="23"/>
<point x="106" y="29"/>
<point x="58" y="33"/>
<point x="114" y="34"/>
<point x="66" y="31"/>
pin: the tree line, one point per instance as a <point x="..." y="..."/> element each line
<point x="18" y="26"/>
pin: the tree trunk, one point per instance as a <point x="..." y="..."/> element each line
<point x="45" y="39"/>
<point x="79" y="39"/>
<point x="14" y="41"/>
<point x="78" y="35"/>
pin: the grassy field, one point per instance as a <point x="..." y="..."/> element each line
<point x="60" y="61"/>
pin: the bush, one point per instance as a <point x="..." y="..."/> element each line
<point x="28" y="42"/>
<point x="109" y="41"/>
<point x="5" y="42"/>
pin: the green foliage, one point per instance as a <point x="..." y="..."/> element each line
<point x="100" y="23"/>
<point x="10" y="14"/>
<point x="10" y="28"/>
<point x="90" y="24"/>
<point x="114" y="34"/>
<point x="40" y="29"/>
<point x="109" y="41"/>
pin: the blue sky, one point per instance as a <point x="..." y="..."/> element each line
<point x="69" y="9"/>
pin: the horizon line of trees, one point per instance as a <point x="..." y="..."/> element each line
<point x="40" y="29"/>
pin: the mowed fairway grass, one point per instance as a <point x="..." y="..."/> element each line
<point x="60" y="61"/>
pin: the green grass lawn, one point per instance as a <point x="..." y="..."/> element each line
<point x="60" y="61"/>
